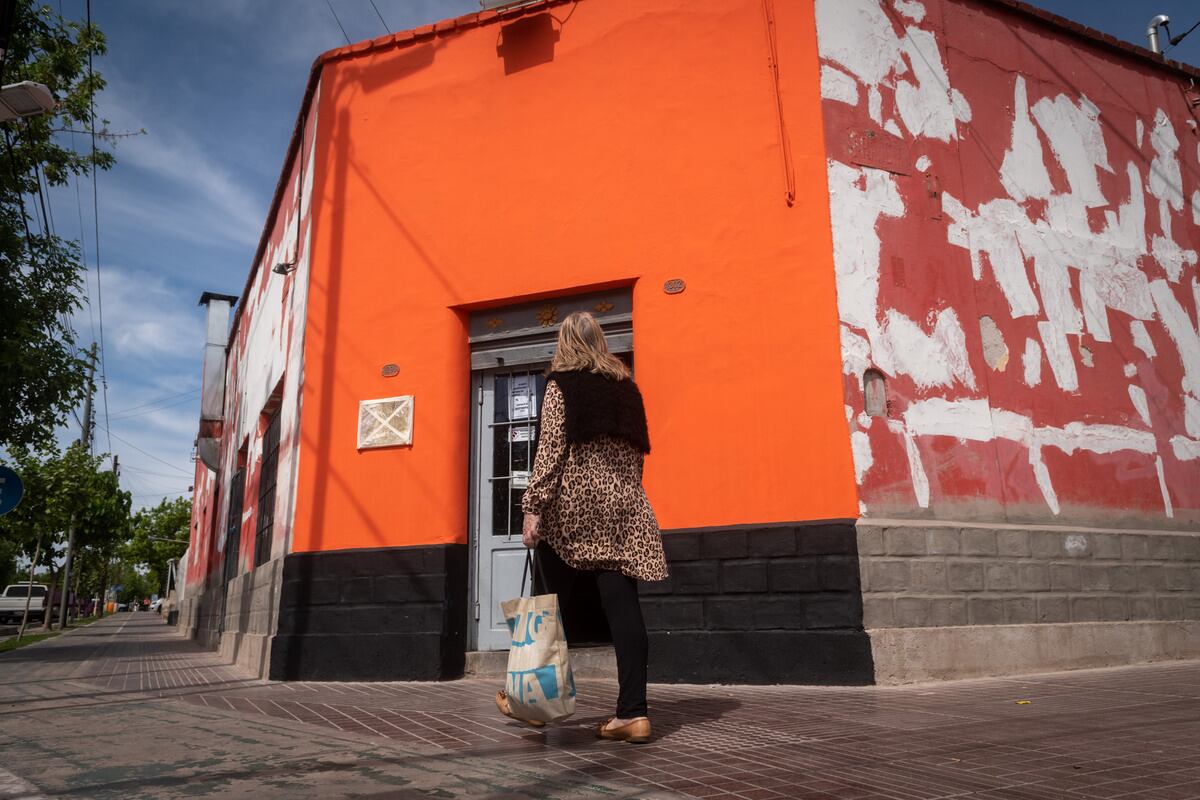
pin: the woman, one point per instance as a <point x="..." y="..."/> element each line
<point x="585" y="509"/>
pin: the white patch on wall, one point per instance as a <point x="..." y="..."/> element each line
<point x="993" y="230"/>
<point x="860" y="445"/>
<point x="1140" y="131"/>
<point x="891" y="127"/>
<point x="1162" y="485"/>
<point x="923" y="163"/>
<point x="875" y="105"/>
<point x="859" y="36"/>
<point x="1141" y="338"/>
<point x="910" y="8"/>
<point x="856" y="353"/>
<point x="975" y="420"/>
<point x="1077" y="142"/>
<point x="916" y="469"/>
<point x="1196" y="208"/>
<point x="1179" y="327"/>
<point x="1130" y="370"/>
<point x="1031" y="362"/>
<point x="857" y="199"/>
<point x="936" y="359"/>
<point x="1166" y="183"/>
<point x="387" y="422"/>
<point x="1137" y="395"/>
<point x="1185" y="449"/>
<point x="837" y="85"/>
<point x="1191" y="416"/>
<point x="1023" y="172"/>
<point x="1058" y="353"/>
<point x="928" y="107"/>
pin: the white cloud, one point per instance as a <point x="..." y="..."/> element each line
<point x="146" y="318"/>
<point x="206" y="199"/>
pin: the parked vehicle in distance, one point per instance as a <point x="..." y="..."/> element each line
<point x="12" y="602"/>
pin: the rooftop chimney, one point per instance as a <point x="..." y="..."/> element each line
<point x="212" y="387"/>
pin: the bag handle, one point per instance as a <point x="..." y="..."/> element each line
<point x="532" y="563"/>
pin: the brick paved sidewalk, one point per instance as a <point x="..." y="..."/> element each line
<point x="190" y="725"/>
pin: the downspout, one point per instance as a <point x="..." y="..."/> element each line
<point x="1162" y="20"/>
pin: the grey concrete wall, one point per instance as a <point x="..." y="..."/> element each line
<point x="251" y="613"/>
<point x="935" y="597"/>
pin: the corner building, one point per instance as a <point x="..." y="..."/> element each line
<point x="910" y="289"/>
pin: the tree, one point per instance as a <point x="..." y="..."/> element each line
<point x="160" y="535"/>
<point x="42" y="370"/>
<point x="57" y="487"/>
<point x="103" y="525"/>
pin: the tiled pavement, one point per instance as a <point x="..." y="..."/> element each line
<point x="1127" y="733"/>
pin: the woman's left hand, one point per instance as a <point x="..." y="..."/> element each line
<point x="529" y="531"/>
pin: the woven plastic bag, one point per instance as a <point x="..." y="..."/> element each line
<point x="540" y="683"/>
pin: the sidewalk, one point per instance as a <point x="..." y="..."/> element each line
<point x="148" y="714"/>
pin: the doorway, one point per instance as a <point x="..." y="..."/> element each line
<point x="511" y="350"/>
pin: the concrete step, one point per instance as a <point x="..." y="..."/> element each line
<point x="586" y="662"/>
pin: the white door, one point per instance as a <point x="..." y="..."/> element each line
<point x="505" y="443"/>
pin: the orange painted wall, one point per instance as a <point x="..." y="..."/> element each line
<point x="647" y="149"/>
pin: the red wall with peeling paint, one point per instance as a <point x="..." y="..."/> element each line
<point x="985" y="47"/>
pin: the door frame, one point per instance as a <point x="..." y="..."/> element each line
<point x="502" y="348"/>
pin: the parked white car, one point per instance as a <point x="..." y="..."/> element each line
<point x="12" y="602"/>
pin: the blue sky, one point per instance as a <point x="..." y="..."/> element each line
<point x="217" y="85"/>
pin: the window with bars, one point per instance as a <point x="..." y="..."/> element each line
<point x="266" y="492"/>
<point x="233" y="525"/>
<point x="514" y="445"/>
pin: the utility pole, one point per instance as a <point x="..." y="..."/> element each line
<point x="87" y="444"/>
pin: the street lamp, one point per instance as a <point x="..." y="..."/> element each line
<point x="24" y="99"/>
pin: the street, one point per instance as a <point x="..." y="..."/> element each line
<point x="126" y="708"/>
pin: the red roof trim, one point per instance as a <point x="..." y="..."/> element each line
<point x="450" y="26"/>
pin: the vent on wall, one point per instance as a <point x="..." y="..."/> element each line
<point x="386" y="422"/>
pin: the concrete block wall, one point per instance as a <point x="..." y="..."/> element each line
<point x="251" y="610"/>
<point x="250" y="616"/>
<point x="918" y="576"/>
<point x="759" y="604"/>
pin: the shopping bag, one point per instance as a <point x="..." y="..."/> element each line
<point x="540" y="683"/>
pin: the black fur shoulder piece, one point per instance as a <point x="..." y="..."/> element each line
<point x="599" y="406"/>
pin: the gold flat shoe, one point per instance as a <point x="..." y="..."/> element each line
<point x="506" y="710"/>
<point x="635" y="732"/>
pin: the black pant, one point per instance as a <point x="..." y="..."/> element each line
<point x="619" y="599"/>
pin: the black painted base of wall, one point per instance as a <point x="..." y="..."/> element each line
<point x="771" y="604"/>
<point x="397" y="613"/>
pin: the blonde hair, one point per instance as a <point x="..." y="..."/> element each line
<point x="581" y="346"/>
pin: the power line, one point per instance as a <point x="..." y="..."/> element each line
<point x="148" y="472"/>
<point x="381" y="19"/>
<point x="191" y="393"/>
<point x="131" y="415"/>
<point x="96" y="220"/>
<point x="143" y="452"/>
<point x="335" y="19"/>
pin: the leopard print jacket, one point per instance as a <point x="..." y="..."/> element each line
<point x="593" y="509"/>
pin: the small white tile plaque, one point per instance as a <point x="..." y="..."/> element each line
<point x="386" y="422"/>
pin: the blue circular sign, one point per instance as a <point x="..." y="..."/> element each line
<point x="11" y="490"/>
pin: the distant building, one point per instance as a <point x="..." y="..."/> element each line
<point x="910" y="289"/>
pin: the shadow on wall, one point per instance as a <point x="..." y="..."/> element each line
<point x="527" y="42"/>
